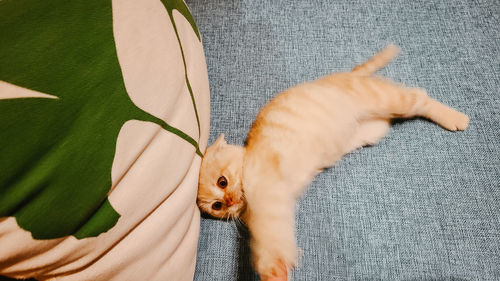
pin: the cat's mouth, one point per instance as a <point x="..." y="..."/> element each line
<point x="234" y="204"/>
<point x="238" y="207"/>
<point x="232" y="199"/>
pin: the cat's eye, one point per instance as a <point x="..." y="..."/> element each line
<point x="217" y="205"/>
<point x="222" y="182"/>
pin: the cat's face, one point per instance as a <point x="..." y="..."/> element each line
<point x="220" y="193"/>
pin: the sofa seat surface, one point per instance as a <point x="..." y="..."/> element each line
<point x="423" y="204"/>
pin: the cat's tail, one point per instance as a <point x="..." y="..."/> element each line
<point x="378" y="61"/>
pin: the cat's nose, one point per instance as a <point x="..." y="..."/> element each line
<point x="229" y="201"/>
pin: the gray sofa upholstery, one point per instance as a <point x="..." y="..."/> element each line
<point x="424" y="204"/>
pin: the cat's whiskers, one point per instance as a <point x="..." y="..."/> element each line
<point x="237" y="223"/>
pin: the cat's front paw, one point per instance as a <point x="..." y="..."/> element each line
<point x="273" y="264"/>
<point x="269" y="267"/>
<point x="280" y="274"/>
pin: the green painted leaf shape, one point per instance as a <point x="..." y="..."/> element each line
<point x="56" y="154"/>
<point x="181" y="7"/>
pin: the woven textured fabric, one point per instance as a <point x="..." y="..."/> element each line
<point x="424" y="204"/>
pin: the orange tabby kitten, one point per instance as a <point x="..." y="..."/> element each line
<point x="296" y="135"/>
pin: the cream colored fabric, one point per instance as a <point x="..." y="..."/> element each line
<point x="154" y="172"/>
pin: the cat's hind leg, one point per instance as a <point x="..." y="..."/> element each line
<point x="394" y="101"/>
<point x="444" y="115"/>
<point x="420" y="104"/>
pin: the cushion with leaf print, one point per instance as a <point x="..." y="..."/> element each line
<point x="104" y="109"/>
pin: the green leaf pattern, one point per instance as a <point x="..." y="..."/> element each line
<point x="56" y="155"/>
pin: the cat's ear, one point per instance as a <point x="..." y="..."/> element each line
<point x="220" y="141"/>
